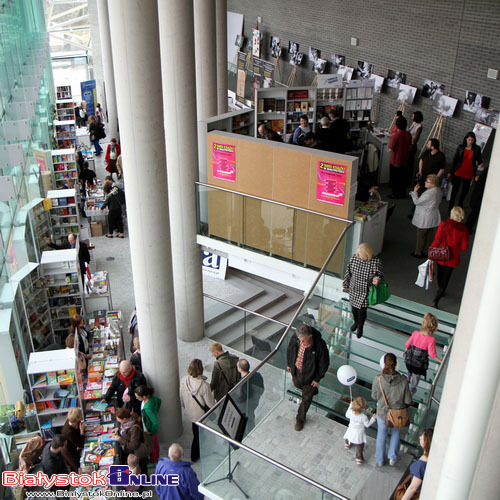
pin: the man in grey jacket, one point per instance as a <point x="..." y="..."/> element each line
<point x="225" y="374"/>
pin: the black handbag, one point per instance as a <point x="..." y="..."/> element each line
<point x="417" y="358"/>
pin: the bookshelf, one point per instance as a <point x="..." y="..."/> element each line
<point x="63" y="92"/>
<point x="31" y="301"/>
<point x="64" y="216"/>
<point x="64" y="166"/>
<point x="358" y="101"/>
<point x="65" y="109"/>
<point x="61" y="271"/>
<point x="53" y="384"/>
<point x="41" y="226"/>
<point x="65" y="133"/>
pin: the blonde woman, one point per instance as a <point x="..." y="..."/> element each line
<point x="363" y="270"/>
<point x="73" y="431"/>
<point x="419" y="347"/>
<point x="455" y="235"/>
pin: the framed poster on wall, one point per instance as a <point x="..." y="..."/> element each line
<point x="331" y="183"/>
<point x="224" y="161"/>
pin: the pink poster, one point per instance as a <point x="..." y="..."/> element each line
<point x="331" y="183"/>
<point x="224" y="161"/>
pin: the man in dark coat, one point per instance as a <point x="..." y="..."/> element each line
<point x="308" y="361"/>
<point x="225" y="374"/>
<point x="128" y="377"/>
<point x="250" y="392"/>
<point x="53" y="460"/>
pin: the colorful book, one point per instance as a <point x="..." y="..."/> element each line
<point x="99" y="406"/>
<point x="40" y="380"/>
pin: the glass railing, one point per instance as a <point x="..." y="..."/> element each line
<point x="271" y="228"/>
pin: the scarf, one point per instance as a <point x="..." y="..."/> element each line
<point x="126" y="380"/>
<point x="125" y="426"/>
<point x="299" y="362"/>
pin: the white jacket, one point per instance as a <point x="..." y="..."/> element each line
<point x="200" y="388"/>
<point x="427" y="208"/>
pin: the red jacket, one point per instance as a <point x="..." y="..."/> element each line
<point x="118" y="152"/>
<point x="400" y="146"/>
<point x="456" y="236"/>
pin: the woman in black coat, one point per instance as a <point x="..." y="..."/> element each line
<point x="467" y="158"/>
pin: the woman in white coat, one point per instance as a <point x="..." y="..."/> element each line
<point x="427" y="217"/>
<point x="196" y="399"/>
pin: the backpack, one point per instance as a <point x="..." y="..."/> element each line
<point x="146" y="446"/>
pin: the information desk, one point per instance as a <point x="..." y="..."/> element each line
<point x="369" y="225"/>
<point x="381" y="142"/>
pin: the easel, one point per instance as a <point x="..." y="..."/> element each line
<point x="401" y="108"/>
<point x="277" y="69"/>
<point x="435" y="133"/>
<point x="291" y="78"/>
<point x="314" y="83"/>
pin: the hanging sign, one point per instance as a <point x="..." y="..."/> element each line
<point x="331" y="183"/>
<point x="224" y="161"/>
<point x="89" y="96"/>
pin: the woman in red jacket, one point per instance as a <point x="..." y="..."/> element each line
<point x="112" y="154"/>
<point x="454" y="234"/>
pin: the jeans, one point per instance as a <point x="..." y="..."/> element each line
<point x="414" y="380"/>
<point x="382" y="431"/>
<point x="97" y="146"/>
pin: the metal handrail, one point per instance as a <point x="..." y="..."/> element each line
<point x="264" y="361"/>
<point x="241" y="308"/>
<point x="245" y="195"/>
<point x="279" y="465"/>
<point x="438" y="374"/>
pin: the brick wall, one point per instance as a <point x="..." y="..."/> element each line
<point x="453" y="42"/>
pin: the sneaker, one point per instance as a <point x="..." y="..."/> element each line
<point x="380" y="465"/>
<point x="392" y="463"/>
<point x="359" y="461"/>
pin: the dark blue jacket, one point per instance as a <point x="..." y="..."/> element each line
<point x="188" y="482"/>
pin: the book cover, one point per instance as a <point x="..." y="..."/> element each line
<point x="40" y="380"/>
<point x="99" y="406"/>
<point x="61" y="393"/>
<point x="304" y="106"/>
<point x="91" y="458"/>
<point x="66" y="379"/>
<point x="107" y="438"/>
<point x="277" y="126"/>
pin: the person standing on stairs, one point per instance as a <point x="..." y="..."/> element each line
<point x="363" y="270"/>
<point x="308" y="360"/>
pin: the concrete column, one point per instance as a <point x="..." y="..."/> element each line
<point x="221" y="24"/>
<point x="466" y="430"/>
<point x="206" y="58"/>
<point x="179" y="94"/>
<point x="107" y="64"/>
<point x="136" y="50"/>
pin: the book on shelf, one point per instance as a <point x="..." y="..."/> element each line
<point x="99" y="406"/>
<point x="40" y="380"/>
<point x="66" y="379"/>
<point x="91" y="458"/>
<point x="304" y="106"/>
<point x="269" y="104"/>
<point x="260" y="106"/>
<point x="280" y="105"/>
<point x="61" y="393"/>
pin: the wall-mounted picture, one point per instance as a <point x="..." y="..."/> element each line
<point x="394" y="78"/>
<point x="487" y="117"/>
<point x="472" y="101"/>
<point x="338" y="60"/>
<point x="314" y="54"/>
<point x="483" y="133"/>
<point x="444" y="104"/>
<point x="379" y="82"/>
<point x="406" y="93"/>
<point x="256" y="43"/>
<point x="296" y="59"/>
<point x="346" y="72"/>
<point x="364" y="69"/>
<point x="320" y="65"/>
<point x="275" y="47"/>
<point x="431" y="89"/>
<point x="293" y="47"/>
<point x="240" y="39"/>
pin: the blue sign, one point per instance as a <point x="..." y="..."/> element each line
<point x="120" y="475"/>
<point x="213" y="264"/>
<point x="89" y="96"/>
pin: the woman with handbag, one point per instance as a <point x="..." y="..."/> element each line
<point x="363" y="270"/>
<point x="419" y="347"/>
<point x="196" y="399"/>
<point x="452" y="237"/>
<point x="409" y="489"/>
<point x="150" y="406"/>
<point x="390" y="390"/>
<point x="95" y="134"/>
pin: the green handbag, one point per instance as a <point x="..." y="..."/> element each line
<point x="378" y="294"/>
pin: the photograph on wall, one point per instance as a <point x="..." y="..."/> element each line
<point x="241" y="77"/>
<point x="472" y="101"/>
<point x="338" y="60"/>
<point x="224" y="161"/>
<point x="293" y="47"/>
<point x="240" y="39"/>
<point x="444" y="105"/>
<point x="314" y="54"/>
<point x="394" y="78"/>
<point x="431" y="89"/>
<point x="320" y="65"/>
<point x="364" y="69"/>
<point x="483" y="133"/>
<point x="346" y="72"/>
<point x="275" y="47"/>
<point x="256" y="43"/>
<point x="296" y="59"/>
<point x="487" y="117"/>
<point x="379" y="82"/>
<point x="406" y="93"/>
<point x="331" y="183"/>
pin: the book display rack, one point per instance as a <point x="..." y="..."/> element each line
<point x="65" y="110"/>
<point x="63" y="92"/>
<point x="64" y="166"/>
<point x="65" y="133"/>
<point x="63" y="214"/>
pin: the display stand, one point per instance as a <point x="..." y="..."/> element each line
<point x="61" y="271"/>
<point x="98" y="292"/>
<point x="369" y="227"/>
<point x="64" y="167"/>
<point x="401" y="108"/>
<point x="291" y="78"/>
<point x="436" y="132"/>
<point x="54" y="388"/>
<point x="65" y="109"/>
<point x="64" y="215"/>
<point x="65" y="133"/>
<point x="63" y="92"/>
<point x="277" y="69"/>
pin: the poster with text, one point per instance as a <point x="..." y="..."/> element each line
<point x="88" y="89"/>
<point x="330" y="187"/>
<point x="224" y="161"/>
<point x="241" y="78"/>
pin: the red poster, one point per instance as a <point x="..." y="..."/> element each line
<point x="224" y="161"/>
<point x="330" y="187"/>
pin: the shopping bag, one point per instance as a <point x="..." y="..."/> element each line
<point x="378" y="294"/>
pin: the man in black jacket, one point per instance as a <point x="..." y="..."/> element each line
<point x="225" y="374"/>
<point x="308" y="361"/>
<point x="128" y="377"/>
<point x="53" y="460"/>
<point x="83" y="250"/>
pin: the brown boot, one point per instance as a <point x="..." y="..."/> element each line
<point x="299" y="425"/>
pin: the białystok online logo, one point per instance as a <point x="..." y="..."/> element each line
<point x="118" y="475"/>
